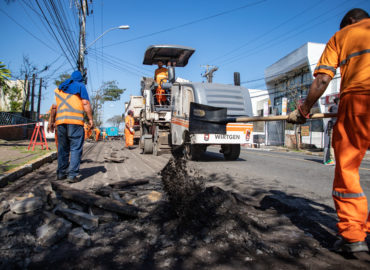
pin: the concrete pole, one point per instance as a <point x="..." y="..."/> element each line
<point x="39" y="100"/>
<point x="25" y="95"/>
<point x="82" y="41"/>
<point x="33" y="94"/>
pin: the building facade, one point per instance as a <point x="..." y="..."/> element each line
<point x="289" y="80"/>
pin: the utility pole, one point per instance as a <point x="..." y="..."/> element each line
<point x="39" y="100"/>
<point x="82" y="12"/>
<point x="209" y="72"/>
<point x="33" y="94"/>
<point x="26" y="94"/>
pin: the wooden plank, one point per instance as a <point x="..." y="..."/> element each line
<point x="128" y="183"/>
<point x="91" y="199"/>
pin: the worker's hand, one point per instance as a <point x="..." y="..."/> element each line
<point x="296" y="117"/>
<point x="51" y="128"/>
<point x="91" y="123"/>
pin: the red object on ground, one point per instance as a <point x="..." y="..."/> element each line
<point x="37" y="132"/>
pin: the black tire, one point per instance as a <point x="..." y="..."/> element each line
<point x="231" y="151"/>
<point x="148" y="146"/>
<point x="155" y="149"/>
<point x="177" y="151"/>
<point x="193" y="151"/>
<point x="237" y="78"/>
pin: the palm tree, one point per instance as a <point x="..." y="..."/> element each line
<point x="4" y="74"/>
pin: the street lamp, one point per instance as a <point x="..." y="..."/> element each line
<point x="124" y="27"/>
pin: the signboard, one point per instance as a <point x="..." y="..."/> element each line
<point x="284" y="105"/>
<point x="305" y="130"/>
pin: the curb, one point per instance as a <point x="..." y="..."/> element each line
<point x="27" y="168"/>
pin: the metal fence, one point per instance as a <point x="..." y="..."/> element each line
<point x="276" y="133"/>
<point x="7" y="118"/>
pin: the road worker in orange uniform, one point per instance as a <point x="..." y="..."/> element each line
<point x="51" y="123"/>
<point x="348" y="49"/>
<point x="129" y="129"/>
<point x="160" y="76"/>
<point x="104" y="135"/>
<point x="72" y="101"/>
<point x="88" y="131"/>
<point x="97" y="134"/>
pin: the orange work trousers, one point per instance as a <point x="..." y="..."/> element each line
<point x="160" y="94"/>
<point x="351" y="139"/>
<point x="129" y="138"/>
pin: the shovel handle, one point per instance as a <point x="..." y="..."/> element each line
<point x="280" y="117"/>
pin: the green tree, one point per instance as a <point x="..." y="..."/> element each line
<point x="115" y="120"/>
<point x="15" y="95"/>
<point x="109" y="91"/>
<point x="62" y="78"/>
<point x="4" y="74"/>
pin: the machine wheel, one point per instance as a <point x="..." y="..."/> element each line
<point x="155" y="141"/>
<point x="148" y="146"/>
<point x="177" y="151"/>
<point x="193" y="151"/>
<point x="155" y="149"/>
<point x="231" y="151"/>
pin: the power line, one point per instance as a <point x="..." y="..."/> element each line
<point x="27" y="30"/>
<point x="189" y="23"/>
<point x="124" y="62"/>
<point x="296" y="87"/>
<point x="116" y="66"/>
<point x="56" y="38"/>
<point x="286" y="36"/>
<point x="266" y="33"/>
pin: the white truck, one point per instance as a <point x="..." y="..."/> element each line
<point x="167" y="127"/>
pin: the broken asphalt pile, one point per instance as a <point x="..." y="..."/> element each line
<point x="175" y="222"/>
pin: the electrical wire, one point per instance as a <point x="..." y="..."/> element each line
<point x="55" y="36"/>
<point x="287" y="35"/>
<point x="266" y="33"/>
<point x="189" y="23"/>
<point x="15" y="21"/>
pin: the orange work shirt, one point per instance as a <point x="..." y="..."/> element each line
<point x="349" y="49"/>
<point x="160" y="75"/>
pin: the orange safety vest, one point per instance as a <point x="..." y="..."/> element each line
<point x="69" y="108"/>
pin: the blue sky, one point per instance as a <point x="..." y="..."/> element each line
<point x="237" y="35"/>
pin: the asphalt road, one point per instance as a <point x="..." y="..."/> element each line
<point x="289" y="172"/>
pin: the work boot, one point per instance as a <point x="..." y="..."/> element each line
<point x="343" y="245"/>
<point x="74" y="179"/>
<point x="61" y="176"/>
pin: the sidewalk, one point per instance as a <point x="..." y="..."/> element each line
<point x="313" y="151"/>
<point x="16" y="160"/>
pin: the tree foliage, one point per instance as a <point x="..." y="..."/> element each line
<point x="15" y="97"/>
<point x="4" y="74"/>
<point x="62" y="78"/>
<point x="111" y="92"/>
<point x="115" y="120"/>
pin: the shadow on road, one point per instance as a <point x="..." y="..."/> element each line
<point x="215" y="157"/>
<point x="312" y="217"/>
<point x="87" y="172"/>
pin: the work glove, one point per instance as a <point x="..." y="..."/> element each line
<point x="296" y="117"/>
<point x="131" y="130"/>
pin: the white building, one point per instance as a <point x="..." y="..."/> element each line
<point x="4" y="99"/>
<point x="258" y="99"/>
<point x="291" y="77"/>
